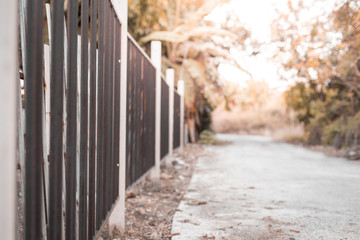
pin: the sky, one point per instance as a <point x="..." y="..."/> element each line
<point x="257" y="15"/>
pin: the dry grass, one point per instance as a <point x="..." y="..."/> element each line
<point x="270" y="119"/>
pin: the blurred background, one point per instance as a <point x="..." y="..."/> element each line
<point x="282" y="68"/>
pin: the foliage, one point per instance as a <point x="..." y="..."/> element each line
<point x="208" y="137"/>
<point x="193" y="46"/>
<point x="326" y="58"/>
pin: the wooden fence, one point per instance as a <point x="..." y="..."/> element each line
<point x="86" y="117"/>
<point x="177" y="117"/>
<point x="164" y="146"/>
<point x="140" y="136"/>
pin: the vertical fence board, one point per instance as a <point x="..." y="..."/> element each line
<point x="100" y="125"/>
<point x="164" y="147"/>
<point x="110" y="107"/>
<point x="92" y="127"/>
<point x="128" y="116"/>
<point x="141" y="117"/>
<point x="84" y="120"/>
<point x="112" y="91"/>
<point x="117" y="108"/>
<point x="152" y="123"/>
<point x="177" y="102"/>
<point x="33" y="102"/>
<point x="70" y="200"/>
<point x="56" y="125"/>
<point x="106" y="108"/>
<point x="136" y="146"/>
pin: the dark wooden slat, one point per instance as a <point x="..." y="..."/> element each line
<point x="135" y="144"/>
<point x="137" y="149"/>
<point x="110" y="160"/>
<point x="131" y="116"/>
<point x="177" y="103"/>
<point x="117" y="109"/>
<point x="106" y="110"/>
<point x="142" y="119"/>
<point x="164" y="135"/>
<point x="70" y="200"/>
<point x="56" y="124"/>
<point x="113" y="166"/>
<point x="100" y="126"/>
<point x="131" y="123"/>
<point x="92" y="127"/>
<point x="151" y="79"/>
<point x="152" y="90"/>
<point x="146" y="119"/>
<point x="139" y="118"/>
<point x="128" y="110"/>
<point x="84" y="120"/>
<point x="134" y="121"/>
<point x="33" y="101"/>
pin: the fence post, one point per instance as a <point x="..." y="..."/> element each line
<point x="117" y="218"/>
<point x="182" y="114"/>
<point x="8" y="59"/>
<point x="170" y="79"/>
<point x="156" y="59"/>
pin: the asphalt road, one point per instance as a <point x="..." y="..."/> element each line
<point x="256" y="188"/>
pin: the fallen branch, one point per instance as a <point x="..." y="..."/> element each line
<point x="174" y="234"/>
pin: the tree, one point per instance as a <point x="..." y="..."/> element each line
<point x="323" y="52"/>
<point x="193" y="46"/>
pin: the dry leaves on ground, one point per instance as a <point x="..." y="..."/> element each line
<point x="150" y="207"/>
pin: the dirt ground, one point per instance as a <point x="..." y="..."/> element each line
<point x="150" y="207"/>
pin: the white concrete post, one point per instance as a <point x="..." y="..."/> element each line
<point x="170" y="75"/>
<point x="117" y="218"/>
<point x="182" y="114"/>
<point x="8" y="58"/>
<point x="156" y="59"/>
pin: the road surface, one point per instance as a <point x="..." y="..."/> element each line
<point x="256" y="188"/>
